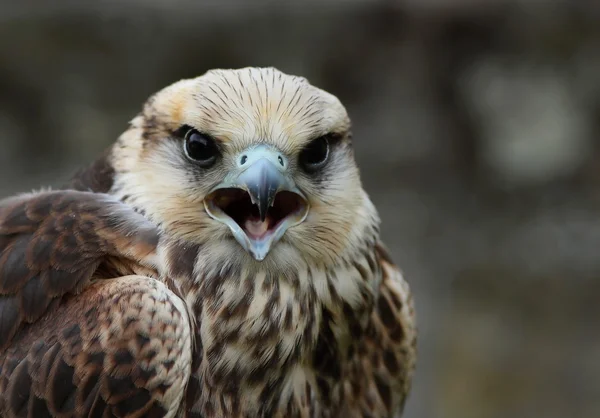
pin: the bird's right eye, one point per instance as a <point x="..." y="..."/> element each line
<point x="200" y="148"/>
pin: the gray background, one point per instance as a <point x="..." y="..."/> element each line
<point x="476" y="128"/>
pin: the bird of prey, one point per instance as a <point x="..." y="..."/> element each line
<point x="221" y="259"/>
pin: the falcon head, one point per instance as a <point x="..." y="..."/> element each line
<point x="247" y="163"/>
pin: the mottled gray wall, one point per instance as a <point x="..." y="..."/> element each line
<point x="476" y="128"/>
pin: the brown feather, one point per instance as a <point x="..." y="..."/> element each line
<point x="120" y="348"/>
<point x="97" y="177"/>
<point x="53" y="242"/>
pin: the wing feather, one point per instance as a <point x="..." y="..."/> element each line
<point x="121" y="348"/>
<point x="51" y="244"/>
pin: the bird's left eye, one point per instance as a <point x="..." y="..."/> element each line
<point x="315" y="155"/>
<point x="201" y="148"/>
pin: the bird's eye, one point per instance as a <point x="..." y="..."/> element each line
<point x="201" y="148"/>
<point x="315" y="155"/>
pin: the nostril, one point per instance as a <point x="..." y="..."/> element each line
<point x="280" y="160"/>
<point x="243" y="159"/>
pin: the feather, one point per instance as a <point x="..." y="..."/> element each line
<point x="121" y="296"/>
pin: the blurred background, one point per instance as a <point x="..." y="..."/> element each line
<point x="476" y="127"/>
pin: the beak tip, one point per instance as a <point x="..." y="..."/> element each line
<point x="259" y="254"/>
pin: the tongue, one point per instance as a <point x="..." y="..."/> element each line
<point x="255" y="227"/>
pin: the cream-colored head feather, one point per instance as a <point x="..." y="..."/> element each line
<point x="240" y="109"/>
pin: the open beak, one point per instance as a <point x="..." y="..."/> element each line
<point x="258" y="200"/>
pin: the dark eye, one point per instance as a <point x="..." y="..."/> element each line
<point x="201" y="148"/>
<point x="315" y="155"/>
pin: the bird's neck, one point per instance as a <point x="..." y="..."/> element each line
<point x="270" y="334"/>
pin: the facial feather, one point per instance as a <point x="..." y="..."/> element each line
<point x="240" y="109"/>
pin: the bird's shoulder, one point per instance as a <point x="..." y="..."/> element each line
<point x="54" y="243"/>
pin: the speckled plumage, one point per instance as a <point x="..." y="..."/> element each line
<point x="120" y="296"/>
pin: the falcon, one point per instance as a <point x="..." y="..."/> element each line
<point x="221" y="259"/>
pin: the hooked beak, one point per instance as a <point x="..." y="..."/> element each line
<point x="258" y="201"/>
